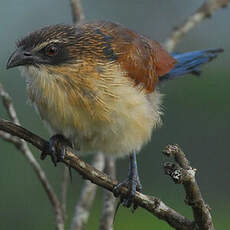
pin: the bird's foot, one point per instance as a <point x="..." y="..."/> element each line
<point x="56" y="148"/>
<point x="133" y="184"/>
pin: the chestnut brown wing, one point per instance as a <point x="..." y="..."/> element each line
<point x="143" y="60"/>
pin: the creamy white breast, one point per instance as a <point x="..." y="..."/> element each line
<point x="132" y="115"/>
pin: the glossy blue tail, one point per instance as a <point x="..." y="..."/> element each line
<point x="190" y="63"/>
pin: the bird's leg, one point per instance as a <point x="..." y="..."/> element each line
<point x="132" y="183"/>
<point x="56" y="148"/>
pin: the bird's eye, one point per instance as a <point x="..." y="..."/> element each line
<point x="51" y="50"/>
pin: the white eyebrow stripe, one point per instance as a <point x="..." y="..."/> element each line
<point x="45" y="44"/>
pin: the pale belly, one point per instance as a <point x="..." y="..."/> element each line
<point x="125" y="127"/>
<point x="129" y="126"/>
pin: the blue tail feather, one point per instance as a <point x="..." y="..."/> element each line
<point x="190" y="63"/>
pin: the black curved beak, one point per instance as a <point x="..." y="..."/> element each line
<point x="20" y="57"/>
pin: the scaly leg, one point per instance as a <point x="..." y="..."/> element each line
<point x="132" y="183"/>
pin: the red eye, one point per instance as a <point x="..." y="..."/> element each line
<point x="51" y="50"/>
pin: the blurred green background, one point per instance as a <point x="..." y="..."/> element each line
<point x="197" y="115"/>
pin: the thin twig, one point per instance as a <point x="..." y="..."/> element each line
<point x="77" y="12"/>
<point x="108" y="205"/>
<point x="9" y="138"/>
<point x="152" y="204"/>
<point x="8" y="104"/>
<point x="185" y="174"/>
<point x="205" y="11"/>
<point x="87" y="196"/>
<point x="24" y="149"/>
<point x="64" y="189"/>
<point x="59" y="218"/>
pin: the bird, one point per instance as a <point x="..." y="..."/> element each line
<point x="97" y="88"/>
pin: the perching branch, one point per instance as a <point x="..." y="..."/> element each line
<point x="184" y="174"/>
<point x="152" y="204"/>
<point x="87" y="196"/>
<point x="205" y="11"/>
<point x="22" y="146"/>
<point x="181" y="174"/>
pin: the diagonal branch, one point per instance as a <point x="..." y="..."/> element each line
<point x="8" y="104"/>
<point x="152" y="204"/>
<point x="9" y="138"/>
<point x="24" y="149"/>
<point x="205" y="11"/>
<point x="59" y="218"/>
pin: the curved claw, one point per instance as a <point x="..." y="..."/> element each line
<point x="116" y="189"/>
<point x="56" y="148"/>
<point x="133" y="185"/>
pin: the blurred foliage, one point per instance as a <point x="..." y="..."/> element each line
<point x="197" y="115"/>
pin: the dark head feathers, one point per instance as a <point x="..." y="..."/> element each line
<point x="87" y="41"/>
<point x="62" y="33"/>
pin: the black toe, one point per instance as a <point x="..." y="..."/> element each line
<point x="133" y="185"/>
<point x="56" y="148"/>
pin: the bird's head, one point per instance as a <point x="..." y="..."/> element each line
<point x="64" y="61"/>
<point x="51" y="45"/>
<point x="94" y="49"/>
